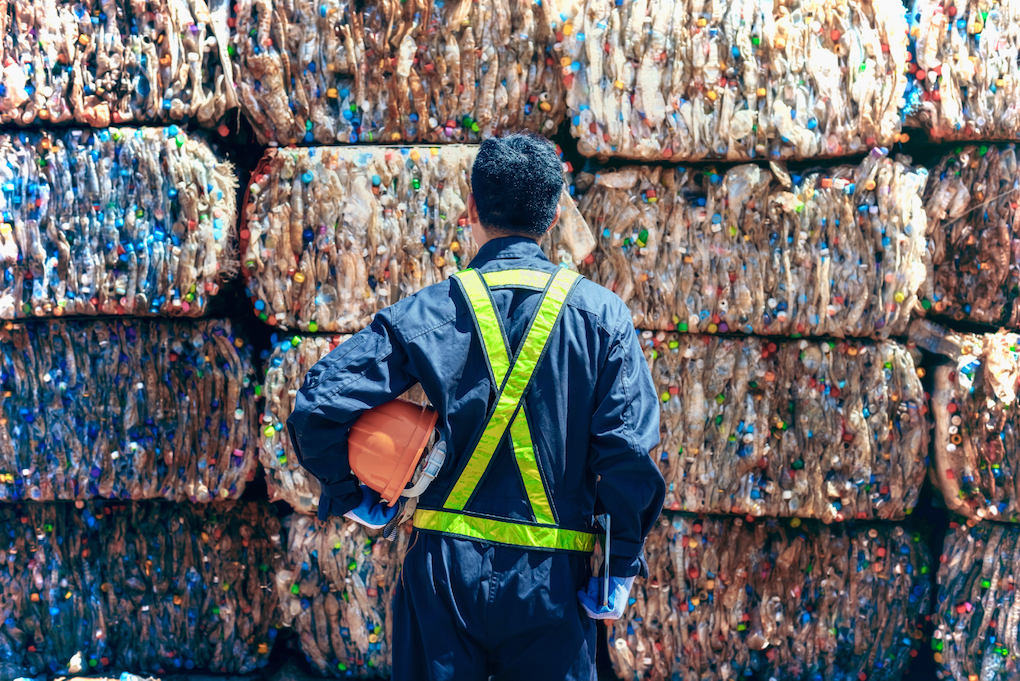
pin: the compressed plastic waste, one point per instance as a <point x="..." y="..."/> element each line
<point x="146" y="586"/>
<point x="291" y="358"/>
<point x="729" y="599"/>
<point x="977" y="453"/>
<point x="379" y="71"/>
<point x="832" y="430"/>
<point x="337" y="592"/>
<point x="835" y="252"/>
<point x="120" y="221"/>
<point x="977" y="603"/>
<point x="688" y="80"/>
<point x="971" y="202"/>
<point x="331" y="235"/>
<point x="115" y="62"/>
<point x="125" y="409"/>
<point x="963" y="79"/>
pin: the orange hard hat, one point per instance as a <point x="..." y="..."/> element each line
<point x="386" y="443"/>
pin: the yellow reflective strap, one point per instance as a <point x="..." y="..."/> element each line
<point x="487" y="322"/>
<point x="514" y="388"/>
<point x="522" y="278"/>
<point x="503" y="531"/>
<point x="524" y="452"/>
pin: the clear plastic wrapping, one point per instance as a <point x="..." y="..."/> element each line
<point x="122" y="221"/>
<point x="146" y="586"/>
<point x="125" y="409"/>
<point x="974" y="268"/>
<point x="290" y="360"/>
<point x="832" y="430"/>
<point x="379" y="71"/>
<point x="964" y="79"/>
<point x="835" y="252"/>
<point x="975" y="618"/>
<point x="688" y="80"/>
<point x="729" y="599"/>
<point x="331" y="235"/>
<point x="337" y="592"/>
<point x="977" y="420"/>
<point x="114" y="62"/>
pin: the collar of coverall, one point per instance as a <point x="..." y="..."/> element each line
<point x="507" y="247"/>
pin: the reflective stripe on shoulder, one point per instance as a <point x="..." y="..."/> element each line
<point x="519" y="278"/>
<point x="503" y="531"/>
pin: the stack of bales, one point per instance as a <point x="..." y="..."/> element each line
<point x="118" y="428"/>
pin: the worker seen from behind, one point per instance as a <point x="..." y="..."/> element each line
<point x="546" y="412"/>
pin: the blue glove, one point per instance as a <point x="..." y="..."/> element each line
<point x="372" y="512"/>
<point x="619" y="594"/>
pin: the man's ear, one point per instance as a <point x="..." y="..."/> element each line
<point x="472" y="209"/>
<point x="556" y="218"/>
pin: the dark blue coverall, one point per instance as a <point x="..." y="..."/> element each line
<point x="466" y="609"/>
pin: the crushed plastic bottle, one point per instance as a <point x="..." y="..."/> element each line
<point x="839" y="252"/>
<point x="115" y="62"/>
<point x="122" y="221"/>
<point x="125" y="409"/>
<point x="832" y="430"/>
<point x="729" y="599"/>
<point x="689" y="80"/>
<point x="332" y="235"/>
<point x="376" y="71"/>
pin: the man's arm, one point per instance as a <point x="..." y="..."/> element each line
<point x="367" y="370"/>
<point x="624" y="429"/>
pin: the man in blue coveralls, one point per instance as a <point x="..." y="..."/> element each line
<point x="548" y="411"/>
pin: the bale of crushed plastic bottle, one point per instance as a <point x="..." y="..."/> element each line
<point x="147" y="586"/>
<point x="125" y="409"/>
<point x="115" y="62"/>
<point x="963" y="80"/>
<point x="378" y="71"/>
<point x="123" y="221"/>
<point x="832" y="430"/>
<point x="336" y="591"/>
<point x="664" y="80"/>
<point x="289" y="361"/>
<point x="975" y="615"/>
<point x="835" y="252"/>
<point x="773" y="599"/>
<point x="974" y="270"/>
<point x="331" y="235"/>
<point x="977" y="420"/>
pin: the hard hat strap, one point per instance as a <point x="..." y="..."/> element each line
<point x="511" y="391"/>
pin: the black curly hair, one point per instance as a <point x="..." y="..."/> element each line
<point x="517" y="182"/>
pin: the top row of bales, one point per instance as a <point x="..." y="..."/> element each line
<point x="637" y="79"/>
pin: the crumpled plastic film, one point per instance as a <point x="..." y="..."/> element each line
<point x="125" y="409"/>
<point x="122" y="221"/>
<point x="332" y="235"/>
<point x="832" y="430"/>
<point x="379" y="71"/>
<point x="836" y="252"/>
<point x="728" y="599"/>
<point x="115" y="62"/>
<point x="977" y="453"/>
<point x="337" y="592"/>
<point x="147" y="586"/>
<point x="964" y="80"/>
<point x="975" y="619"/>
<point x="974" y="269"/>
<point x="658" y="79"/>
<point x="290" y="360"/>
